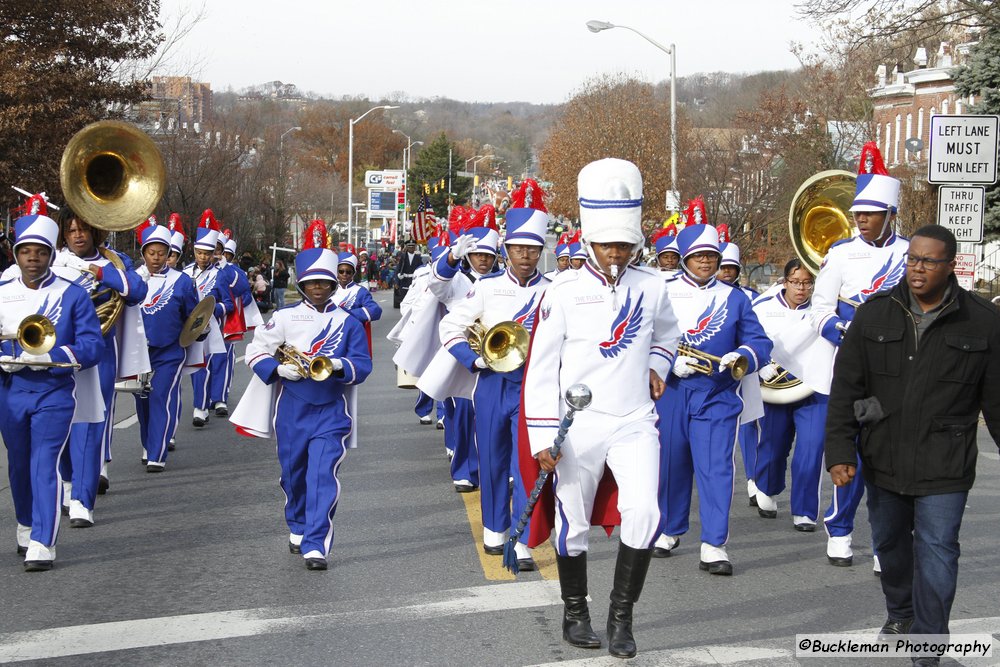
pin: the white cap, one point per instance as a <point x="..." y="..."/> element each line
<point x="610" y="194"/>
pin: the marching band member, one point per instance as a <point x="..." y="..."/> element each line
<point x="562" y="258"/>
<point x="510" y="295"/>
<point x="802" y="420"/>
<point x="233" y="280"/>
<point x="170" y="298"/>
<point x="667" y="257"/>
<point x="853" y="270"/>
<point x="577" y="253"/>
<point x="206" y="276"/>
<point x="609" y="326"/>
<point x="39" y="400"/>
<point x="80" y="261"/>
<point x="730" y="268"/>
<point x="474" y="254"/>
<point x="177" y="240"/>
<point x="699" y="413"/>
<point x="311" y="420"/>
<point x="354" y="298"/>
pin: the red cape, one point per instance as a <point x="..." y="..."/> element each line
<point x="543" y="518"/>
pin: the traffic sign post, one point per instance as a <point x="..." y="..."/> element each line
<point x="963" y="149"/>
<point x="961" y="209"/>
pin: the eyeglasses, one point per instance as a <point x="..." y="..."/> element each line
<point x="705" y="255"/>
<point x="345" y="272"/>
<point x="801" y="284"/>
<point x="524" y="250"/>
<point x="929" y="263"/>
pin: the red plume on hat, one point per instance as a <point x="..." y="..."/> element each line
<point x="226" y="235"/>
<point x="723" y="230"/>
<point x="459" y="219"/>
<point x="36" y="204"/>
<point x="316" y="236"/>
<point x="871" y="160"/>
<point x="444" y="238"/>
<point x="208" y="220"/>
<point x="660" y="233"/>
<point x="150" y="222"/>
<point x="574" y="237"/>
<point x="695" y="212"/>
<point x="529" y="195"/>
<point x="174" y="223"/>
<point x="486" y="216"/>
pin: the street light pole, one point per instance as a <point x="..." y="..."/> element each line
<point x="598" y="26"/>
<point x="350" y="164"/>
<point x="281" y="175"/>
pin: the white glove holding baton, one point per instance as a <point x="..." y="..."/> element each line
<point x="769" y="372"/>
<point x="683" y="366"/>
<point x="462" y="246"/>
<point x="38" y="358"/>
<point x="289" y="372"/>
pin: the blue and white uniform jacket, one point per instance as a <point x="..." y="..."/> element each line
<point x="359" y="302"/>
<point x="716" y="318"/>
<point x="853" y="270"/>
<point x="495" y="298"/>
<point x="78" y="331"/>
<point x="326" y="331"/>
<point x="170" y="298"/>
<point x="213" y="281"/>
<point x="449" y="284"/>
<point x="607" y="336"/>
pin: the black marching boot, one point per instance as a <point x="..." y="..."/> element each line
<point x="576" y="616"/>
<point x="630" y="574"/>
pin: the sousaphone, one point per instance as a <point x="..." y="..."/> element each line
<point x="113" y="177"/>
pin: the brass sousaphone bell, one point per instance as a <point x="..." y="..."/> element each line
<point x="819" y="215"/>
<point x="112" y="176"/>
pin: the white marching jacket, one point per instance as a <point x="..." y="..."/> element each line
<point x="607" y="336"/>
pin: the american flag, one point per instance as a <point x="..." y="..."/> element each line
<point x="424" y="225"/>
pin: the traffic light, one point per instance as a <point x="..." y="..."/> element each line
<point x="442" y="184"/>
<point x="427" y="189"/>
<point x="475" y="181"/>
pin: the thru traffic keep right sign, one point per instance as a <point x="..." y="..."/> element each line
<point x="960" y="209"/>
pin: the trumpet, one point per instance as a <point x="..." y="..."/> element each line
<point x="312" y="368"/>
<point x="737" y="370"/>
<point x="504" y="347"/>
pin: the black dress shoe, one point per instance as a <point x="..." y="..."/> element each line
<point x="721" y="567"/>
<point x="898" y="626"/>
<point x="465" y="488"/>
<point x="315" y="563"/>
<point x="838" y="561"/>
<point x="153" y="466"/>
<point x="767" y="514"/>
<point x="493" y="551"/>
<point x="171" y="445"/>
<point x="526" y="564"/>
<point x="37" y="565"/>
<point x="805" y="527"/>
<point x="294" y="548"/>
<point x="103" y="484"/>
<point x="660" y="552"/>
<point x="81" y="523"/>
<point x="199" y="422"/>
<point x="221" y="410"/>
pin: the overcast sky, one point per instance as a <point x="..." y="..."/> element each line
<point x="511" y="50"/>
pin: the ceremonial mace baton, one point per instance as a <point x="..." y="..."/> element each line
<point x="578" y="398"/>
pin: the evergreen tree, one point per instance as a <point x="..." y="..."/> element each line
<point x="980" y="76"/>
<point x="431" y="167"/>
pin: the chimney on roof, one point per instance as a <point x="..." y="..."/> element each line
<point x="920" y="59"/>
<point x="880" y="73"/>
<point x="944" y="55"/>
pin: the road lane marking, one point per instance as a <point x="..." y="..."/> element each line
<point x="129" y="422"/>
<point x="493" y="569"/>
<point x="141" y="633"/>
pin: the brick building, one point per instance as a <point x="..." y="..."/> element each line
<point x="904" y="101"/>
<point x="182" y="99"/>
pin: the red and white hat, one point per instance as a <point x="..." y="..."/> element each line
<point x="876" y="189"/>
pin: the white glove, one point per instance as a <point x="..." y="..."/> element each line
<point x="683" y="366"/>
<point x="75" y="262"/>
<point x="7" y="365"/>
<point x="336" y="364"/>
<point x="43" y="358"/>
<point x="728" y="359"/>
<point x="769" y="372"/>
<point x="481" y="363"/>
<point x="462" y="245"/>
<point x="842" y="326"/>
<point x="289" y="372"/>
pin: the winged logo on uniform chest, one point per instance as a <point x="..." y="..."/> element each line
<point x="707" y="325"/>
<point x="348" y="303"/>
<point x="526" y="316"/>
<point x="52" y="311"/>
<point x="326" y="341"/>
<point x="159" y="299"/>
<point x="624" y="328"/>
<point x="885" y="278"/>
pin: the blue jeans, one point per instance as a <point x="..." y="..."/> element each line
<point x="279" y="297"/>
<point x="916" y="539"/>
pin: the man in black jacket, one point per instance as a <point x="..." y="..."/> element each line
<point x="407" y="262"/>
<point x="916" y="366"/>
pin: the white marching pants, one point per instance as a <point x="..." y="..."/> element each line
<point x="630" y="447"/>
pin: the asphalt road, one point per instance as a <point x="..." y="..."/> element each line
<point x="191" y="567"/>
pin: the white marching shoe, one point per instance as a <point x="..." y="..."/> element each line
<point x="23" y="538"/>
<point x="838" y="551"/>
<point x="39" y="557"/>
<point x="804" y="524"/>
<point x="80" y="516"/>
<point x="715" y="560"/>
<point x="766" y="506"/>
<point x="752" y="492"/>
<point x="664" y="545"/>
<point x="493" y="542"/>
<point x="525" y="562"/>
<point x="67" y="495"/>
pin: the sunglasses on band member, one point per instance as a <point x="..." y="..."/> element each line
<point x="929" y="263"/>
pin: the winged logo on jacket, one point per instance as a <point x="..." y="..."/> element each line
<point x="159" y="298"/>
<point x="707" y="325"/>
<point x="53" y="310"/>
<point x="624" y="328"/>
<point x="326" y="341"/>
<point x="885" y="278"/>
<point x="526" y="316"/>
